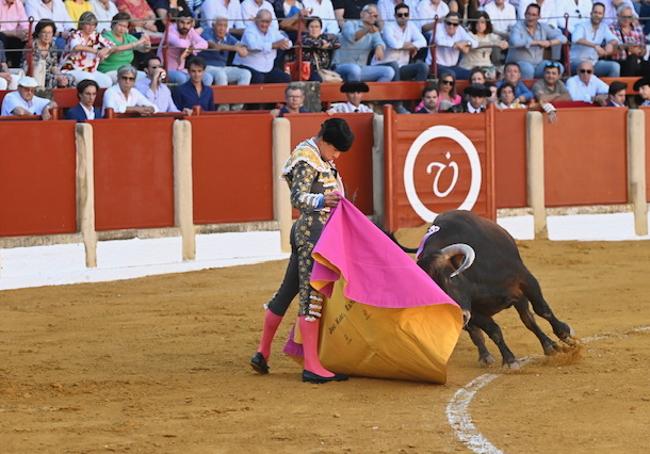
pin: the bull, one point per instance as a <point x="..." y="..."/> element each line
<point x="477" y="263"/>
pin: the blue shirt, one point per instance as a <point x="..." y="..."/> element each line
<point x="185" y="96"/>
<point x="584" y="30"/>
<point x="520" y="42"/>
<point x="520" y="90"/>
<point x="214" y="57"/>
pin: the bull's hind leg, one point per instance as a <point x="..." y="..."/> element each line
<point x="484" y="356"/>
<point x="533" y="292"/>
<point x="527" y="317"/>
<point x="494" y="332"/>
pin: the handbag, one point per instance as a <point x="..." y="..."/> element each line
<point x="304" y="73"/>
<point x="327" y="75"/>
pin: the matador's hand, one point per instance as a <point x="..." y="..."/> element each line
<point x="332" y="199"/>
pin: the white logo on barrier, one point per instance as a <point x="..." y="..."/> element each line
<point x="436" y="132"/>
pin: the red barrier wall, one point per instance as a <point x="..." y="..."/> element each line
<point x="441" y="164"/>
<point x="232" y="168"/>
<point x="585" y="154"/>
<point x="37" y="178"/>
<point x="510" y="158"/>
<point x="355" y="164"/>
<point x="134" y="184"/>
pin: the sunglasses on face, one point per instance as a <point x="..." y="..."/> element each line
<point x="586" y="71"/>
<point x="447" y="82"/>
<point x="127" y="78"/>
<point x="452" y="24"/>
<point x="402" y="14"/>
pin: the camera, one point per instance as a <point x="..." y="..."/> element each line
<point x="163" y="75"/>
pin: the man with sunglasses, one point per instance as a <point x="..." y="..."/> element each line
<point x="387" y="10"/>
<point x="528" y="41"/>
<point x="586" y="87"/>
<point x="588" y="39"/>
<point x="452" y="40"/>
<point x="403" y="40"/>
<point x="124" y="97"/>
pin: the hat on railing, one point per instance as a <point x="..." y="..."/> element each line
<point x="27" y="82"/>
<point x="641" y="82"/>
<point x="478" y="90"/>
<point x="355" y="87"/>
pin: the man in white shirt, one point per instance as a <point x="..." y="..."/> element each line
<point x="25" y="102"/>
<point x="262" y="42"/>
<point x="104" y="11"/>
<point x="153" y="86"/>
<point x="403" y="39"/>
<point x="123" y="97"/>
<point x="325" y="10"/>
<point x="451" y="40"/>
<point x="250" y="8"/>
<point x="578" y="11"/>
<point x="502" y="15"/>
<point x="586" y="87"/>
<point x="588" y="38"/>
<point x="427" y="10"/>
<point x="53" y="10"/>
<point x="211" y="9"/>
<point x="386" y="10"/>
<point x="354" y="93"/>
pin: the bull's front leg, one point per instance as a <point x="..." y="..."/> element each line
<point x="550" y="347"/>
<point x="484" y="356"/>
<point x="494" y="332"/>
<point x="533" y="292"/>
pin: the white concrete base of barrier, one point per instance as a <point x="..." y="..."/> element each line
<point x="125" y="259"/>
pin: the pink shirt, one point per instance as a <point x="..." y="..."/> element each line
<point x="12" y="13"/>
<point x="177" y="44"/>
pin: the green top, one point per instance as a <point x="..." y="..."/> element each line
<point x="114" y="61"/>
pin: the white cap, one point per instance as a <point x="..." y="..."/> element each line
<point x="27" y="82"/>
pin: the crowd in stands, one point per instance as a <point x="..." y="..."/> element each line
<point x="134" y="48"/>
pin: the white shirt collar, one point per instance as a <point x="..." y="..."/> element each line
<point x="90" y="113"/>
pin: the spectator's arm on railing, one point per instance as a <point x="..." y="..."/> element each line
<point x="520" y="38"/>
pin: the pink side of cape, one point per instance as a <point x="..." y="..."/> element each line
<point x="376" y="271"/>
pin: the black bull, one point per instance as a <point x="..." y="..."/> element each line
<point x="477" y="263"/>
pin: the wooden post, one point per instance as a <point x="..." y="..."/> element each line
<point x="636" y="166"/>
<point x="86" y="192"/>
<point x="183" y="196"/>
<point x="281" y="195"/>
<point x="535" y="172"/>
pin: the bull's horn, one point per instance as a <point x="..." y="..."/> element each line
<point x="460" y="249"/>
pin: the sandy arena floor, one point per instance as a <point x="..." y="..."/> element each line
<point x="161" y="365"/>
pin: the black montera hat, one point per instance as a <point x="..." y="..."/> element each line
<point x="337" y="133"/>
<point x="355" y="87"/>
<point x="478" y="90"/>
<point x="641" y="82"/>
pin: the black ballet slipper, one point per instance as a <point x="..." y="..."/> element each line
<point x="310" y="377"/>
<point x="259" y="365"/>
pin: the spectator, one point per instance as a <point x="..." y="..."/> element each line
<point x="318" y="47"/>
<point x="324" y="10"/>
<point x="512" y="74"/>
<point x="250" y="9"/>
<point x="154" y="88"/>
<point x="76" y="8"/>
<point x="220" y="45"/>
<point x="359" y="38"/>
<point x="551" y="88"/>
<point x="86" y="48"/>
<point x="45" y="58"/>
<point x="403" y="40"/>
<point x="493" y="98"/>
<point x="13" y="30"/>
<point x="8" y="77"/>
<point x="53" y="10"/>
<point x="529" y="39"/>
<point x="211" y="9"/>
<point x="477" y="76"/>
<point x="294" y="99"/>
<point x="164" y="7"/>
<point x="386" y="10"/>
<point x="548" y="11"/>
<point x="466" y="9"/>
<point x="447" y="96"/>
<point x="452" y="40"/>
<point x="578" y="11"/>
<point x="476" y="100"/>
<point x="183" y="41"/>
<point x="194" y="92"/>
<point x="25" y="102"/>
<point x="429" y="103"/>
<point x="289" y="13"/>
<point x="85" y="110"/>
<point x="124" y="98"/>
<point x="427" y="10"/>
<point x="586" y="87"/>
<point x="587" y="44"/>
<point x="616" y="94"/>
<point x="105" y="10"/>
<point x="143" y="16"/>
<point x="354" y="93"/>
<point x="481" y="31"/>
<point x="643" y="87"/>
<point x="631" y="46"/>
<point x="123" y="46"/>
<point x="263" y="42"/>
<point x="349" y="9"/>
<point x="612" y="7"/>
<point x="503" y="16"/>
<point x="507" y="99"/>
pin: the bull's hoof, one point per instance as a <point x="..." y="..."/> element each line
<point x="565" y="332"/>
<point x="552" y="348"/>
<point x="513" y="365"/>
<point x="486" y="361"/>
<point x="570" y="341"/>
